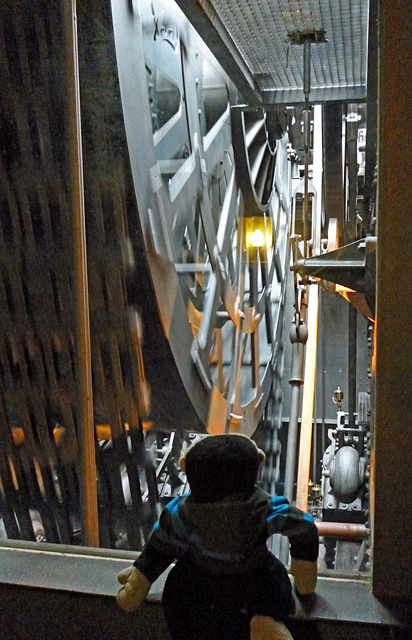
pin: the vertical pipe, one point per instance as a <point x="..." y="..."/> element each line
<point x="352" y="171"/>
<point x="306" y="125"/>
<point x="306" y="133"/>
<point x="353" y="317"/>
<point x="292" y="435"/>
<point x="317" y="179"/>
<point x="291" y="453"/>
<point x="323" y="366"/>
<point x="85" y="421"/>
<point x="306" y="67"/>
<point x="298" y="336"/>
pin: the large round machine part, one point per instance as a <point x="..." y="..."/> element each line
<point x="208" y="178"/>
<point x="347" y="473"/>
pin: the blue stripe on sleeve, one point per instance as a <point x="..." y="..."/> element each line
<point x="173" y="504"/>
<point x="286" y="519"/>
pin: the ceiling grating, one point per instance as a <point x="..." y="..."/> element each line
<point x="259" y="30"/>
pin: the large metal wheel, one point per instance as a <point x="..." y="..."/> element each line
<point x="204" y="173"/>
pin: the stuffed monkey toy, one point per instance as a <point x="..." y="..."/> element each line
<point x="225" y="583"/>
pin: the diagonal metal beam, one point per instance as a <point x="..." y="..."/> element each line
<point x="345" y="266"/>
<point x="353" y="266"/>
<point x="211" y="29"/>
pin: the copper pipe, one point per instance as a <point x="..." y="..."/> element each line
<point x="342" y="530"/>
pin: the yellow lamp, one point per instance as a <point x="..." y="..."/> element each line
<point x="258" y="238"/>
<point x="257" y="232"/>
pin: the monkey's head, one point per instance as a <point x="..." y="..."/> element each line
<point x="220" y="466"/>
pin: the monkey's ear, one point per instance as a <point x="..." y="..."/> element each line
<point x="182" y="463"/>
<point x="262" y="456"/>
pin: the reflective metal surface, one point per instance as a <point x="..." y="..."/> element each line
<point x="259" y="30"/>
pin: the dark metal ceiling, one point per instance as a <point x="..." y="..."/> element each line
<point x="250" y="39"/>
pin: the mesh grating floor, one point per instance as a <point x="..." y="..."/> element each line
<point x="259" y="29"/>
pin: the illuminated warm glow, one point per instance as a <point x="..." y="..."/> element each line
<point x="258" y="232"/>
<point x="257" y="238"/>
<point x="341" y="289"/>
<point x="103" y="432"/>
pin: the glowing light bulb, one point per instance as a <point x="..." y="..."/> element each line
<point x="257" y="238"/>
